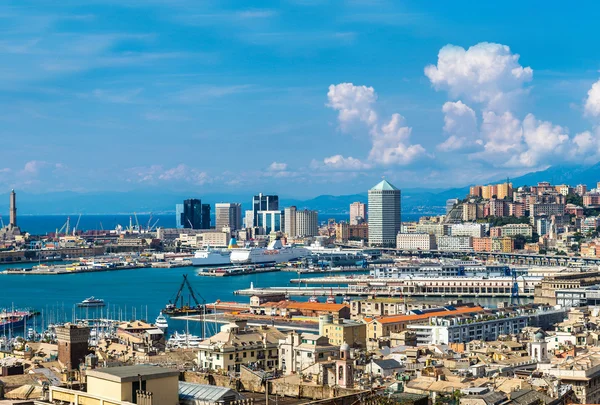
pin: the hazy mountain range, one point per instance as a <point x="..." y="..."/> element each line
<point x="425" y="201"/>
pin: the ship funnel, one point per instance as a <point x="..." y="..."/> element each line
<point x="233" y="244"/>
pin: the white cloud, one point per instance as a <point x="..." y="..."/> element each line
<point x="460" y="124"/>
<point x="586" y="146"/>
<point x="391" y="144"/>
<point x="180" y="173"/>
<point x="543" y="143"/>
<point x="277" y="167"/>
<point x="486" y="73"/>
<point x="340" y="162"/>
<point x="353" y="103"/>
<point x="390" y="141"/>
<point x="592" y="103"/>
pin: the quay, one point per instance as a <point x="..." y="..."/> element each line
<point x="69" y="269"/>
<point x="418" y="287"/>
<point x="349" y="269"/>
<point x="234" y="271"/>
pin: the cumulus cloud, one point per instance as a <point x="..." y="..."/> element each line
<point x="340" y="162"/>
<point x="180" y="173"/>
<point x="592" y="103"/>
<point x="460" y="125"/>
<point x="486" y="73"/>
<point x="390" y="141"/>
<point x="277" y="167"/>
<point x="352" y="103"/>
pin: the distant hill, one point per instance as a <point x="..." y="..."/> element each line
<point x="572" y="175"/>
<point x="415" y="200"/>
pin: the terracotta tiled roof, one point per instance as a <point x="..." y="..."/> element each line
<point x="407" y="318"/>
<point x="312" y="306"/>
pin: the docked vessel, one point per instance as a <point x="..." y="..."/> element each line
<point x="211" y="257"/>
<point x="177" y="306"/>
<point x="274" y="253"/>
<point x="183" y="341"/>
<point x="161" y="322"/>
<point x="91" y="302"/>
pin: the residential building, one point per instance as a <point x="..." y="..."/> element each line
<point x="342" y="232"/>
<point x="358" y="232"/>
<point x="432" y="228"/>
<point x="287" y="309"/>
<point x="590" y="224"/>
<point x="485" y="325"/>
<point x="476" y="191"/>
<point x="289" y="221"/>
<point x="215" y="239"/>
<point x="482" y="244"/>
<point x="384" y="214"/>
<point x="340" y="331"/>
<point x="580" y="372"/>
<point x="564" y="189"/>
<point x="473" y="230"/>
<point x="249" y="219"/>
<point x="516" y="209"/>
<point x="228" y="215"/>
<point x="503" y="245"/>
<point x="298" y="351"/>
<point x="382" y="326"/>
<point x="513" y="230"/>
<point x="504" y="191"/>
<point x="549" y="209"/>
<point x="416" y="241"/>
<point x="307" y="223"/>
<point x="581" y="189"/>
<point x="454" y="243"/>
<point x="358" y="213"/>
<point x="495" y="232"/>
<point x="497" y="208"/>
<point x="384" y="367"/>
<point x="450" y="203"/>
<point x="575" y="210"/>
<point x="141" y="384"/>
<point x="262" y="202"/>
<point x="239" y="344"/>
<point x="542" y="225"/>
<point x="591" y="200"/>
<point x="269" y="221"/>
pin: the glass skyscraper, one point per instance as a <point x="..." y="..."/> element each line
<point x="192" y="214"/>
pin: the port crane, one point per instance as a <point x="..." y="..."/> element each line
<point x="185" y="309"/>
<point x="76" y="225"/>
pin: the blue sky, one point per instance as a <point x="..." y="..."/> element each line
<point x="300" y="97"/>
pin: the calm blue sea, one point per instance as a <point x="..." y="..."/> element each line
<point x="43" y="224"/>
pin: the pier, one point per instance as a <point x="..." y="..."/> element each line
<point x="417" y="287"/>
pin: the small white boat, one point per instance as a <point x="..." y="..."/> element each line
<point x="91" y="302"/>
<point x="183" y="341"/>
<point x="161" y="322"/>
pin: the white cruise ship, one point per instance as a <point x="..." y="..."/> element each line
<point x="211" y="257"/>
<point x="274" y="253"/>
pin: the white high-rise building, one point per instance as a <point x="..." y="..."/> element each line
<point x="228" y="215"/>
<point x="307" y="223"/>
<point x="384" y="214"/>
<point x="249" y="219"/>
<point x="289" y="221"/>
<point x="358" y="213"/>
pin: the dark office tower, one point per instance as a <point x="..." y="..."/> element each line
<point x="192" y="214"/>
<point x="264" y="203"/>
<point x="205" y="223"/>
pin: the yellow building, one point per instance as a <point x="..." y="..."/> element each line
<point x="504" y="245"/>
<point x="345" y="331"/>
<point x="123" y="386"/>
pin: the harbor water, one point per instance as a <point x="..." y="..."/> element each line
<point x="135" y="292"/>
